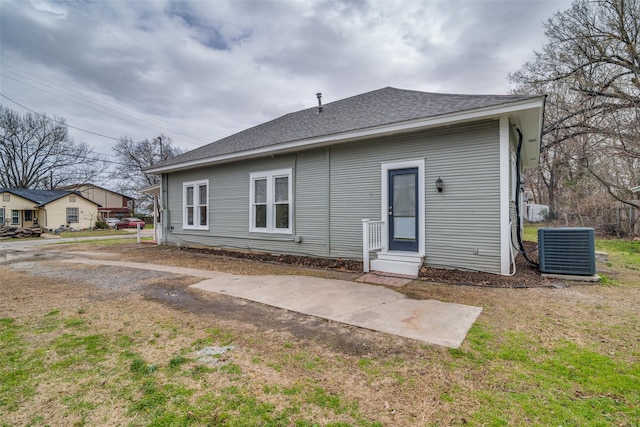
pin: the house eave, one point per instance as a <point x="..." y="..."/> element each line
<point x="531" y="107"/>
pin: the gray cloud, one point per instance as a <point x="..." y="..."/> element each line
<point x="201" y="70"/>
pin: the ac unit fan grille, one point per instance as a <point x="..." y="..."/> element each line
<point x="567" y="251"/>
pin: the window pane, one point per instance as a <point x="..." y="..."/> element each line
<point x="28" y="215"/>
<point x="282" y="216"/>
<point x="202" y="200"/>
<point x="260" y="191"/>
<point x="404" y="195"/>
<point x="282" y="189"/>
<point x="72" y="215"/>
<point x="190" y="215"/>
<point x="15" y="217"/>
<point x="203" y="215"/>
<point x="1" y="216"/>
<point x="189" y="196"/>
<point x="261" y="216"/>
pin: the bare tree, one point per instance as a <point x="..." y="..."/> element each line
<point x="36" y="152"/>
<point x="134" y="157"/>
<point x="590" y="68"/>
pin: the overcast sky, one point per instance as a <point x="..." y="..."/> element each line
<point x="198" y="71"/>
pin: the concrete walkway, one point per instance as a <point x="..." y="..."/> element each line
<point x="366" y="306"/>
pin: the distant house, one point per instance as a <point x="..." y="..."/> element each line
<point x="50" y="209"/>
<point x="536" y="212"/>
<point x="416" y="178"/>
<point x="113" y="205"/>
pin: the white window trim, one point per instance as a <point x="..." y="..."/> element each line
<point x="196" y="211"/>
<point x="270" y="176"/>
<point x="2" y="216"/>
<point x="15" y="217"/>
<point x="384" y="179"/>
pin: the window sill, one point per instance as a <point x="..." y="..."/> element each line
<point x="271" y="232"/>
<point x="203" y="228"/>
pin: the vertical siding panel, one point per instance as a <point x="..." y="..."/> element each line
<point x="311" y="207"/>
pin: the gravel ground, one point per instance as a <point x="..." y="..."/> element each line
<point x="105" y="277"/>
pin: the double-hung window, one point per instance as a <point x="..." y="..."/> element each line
<point x="15" y="217"/>
<point x="72" y="215"/>
<point x="196" y="205"/>
<point x="1" y="216"/>
<point x="271" y="201"/>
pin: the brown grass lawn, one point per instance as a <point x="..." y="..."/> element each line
<point x="85" y="345"/>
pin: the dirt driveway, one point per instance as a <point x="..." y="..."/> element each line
<point x="163" y="309"/>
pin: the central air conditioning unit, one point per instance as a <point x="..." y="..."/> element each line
<point x="567" y="251"/>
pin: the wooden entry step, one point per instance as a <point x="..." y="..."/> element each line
<point x="386" y="279"/>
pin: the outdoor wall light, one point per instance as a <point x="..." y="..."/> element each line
<point x="439" y="185"/>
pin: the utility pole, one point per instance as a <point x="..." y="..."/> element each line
<point x="159" y="139"/>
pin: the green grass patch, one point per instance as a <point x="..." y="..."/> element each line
<point x="530" y="232"/>
<point x="19" y="366"/>
<point x="93" y="233"/>
<point x="221" y="336"/>
<point x="621" y="252"/>
<point x="140" y="367"/>
<point x="85" y="369"/>
<point x="176" y="362"/>
<point x="566" y="384"/>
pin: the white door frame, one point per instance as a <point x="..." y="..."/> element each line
<point x="384" y="206"/>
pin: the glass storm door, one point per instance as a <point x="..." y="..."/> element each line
<point x="403" y="210"/>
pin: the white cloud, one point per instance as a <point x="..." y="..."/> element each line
<point x="201" y="70"/>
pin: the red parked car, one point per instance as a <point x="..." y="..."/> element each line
<point x="129" y="223"/>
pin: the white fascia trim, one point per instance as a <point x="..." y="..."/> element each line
<point x="384" y="202"/>
<point x="505" y="196"/>
<point x="418" y="124"/>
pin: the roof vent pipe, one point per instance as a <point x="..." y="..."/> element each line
<point x="319" y="96"/>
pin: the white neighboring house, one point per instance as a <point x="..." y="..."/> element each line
<point x="51" y="209"/>
<point x="536" y="212"/>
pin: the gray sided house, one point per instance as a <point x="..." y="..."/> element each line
<point x="404" y="177"/>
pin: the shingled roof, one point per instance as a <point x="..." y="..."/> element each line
<point x="377" y="108"/>
<point x="40" y="197"/>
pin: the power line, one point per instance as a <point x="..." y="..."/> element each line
<point x="100" y="106"/>
<point x="66" y="69"/>
<point x="56" y="121"/>
<point x="97" y="159"/>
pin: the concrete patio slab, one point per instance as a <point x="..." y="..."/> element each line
<point x="366" y="306"/>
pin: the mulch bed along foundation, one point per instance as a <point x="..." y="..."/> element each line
<point x="526" y="276"/>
